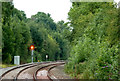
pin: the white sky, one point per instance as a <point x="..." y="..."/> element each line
<point x="57" y="8"/>
<point x="117" y="1"/>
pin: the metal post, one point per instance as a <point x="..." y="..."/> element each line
<point x="32" y="56"/>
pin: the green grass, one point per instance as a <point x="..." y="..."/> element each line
<point x="6" y="65"/>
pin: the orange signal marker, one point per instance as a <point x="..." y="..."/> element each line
<point x="32" y="47"/>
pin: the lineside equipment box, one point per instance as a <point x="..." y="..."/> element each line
<point x="17" y="60"/>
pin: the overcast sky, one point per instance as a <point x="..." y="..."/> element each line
<point x="57" y="8"/>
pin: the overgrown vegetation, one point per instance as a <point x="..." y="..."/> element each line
<point x="92" y="43"/>
<point x="95" y="41"/>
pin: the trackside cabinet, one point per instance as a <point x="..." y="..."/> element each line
<point x="17" y="60"/>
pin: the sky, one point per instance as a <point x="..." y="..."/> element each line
<point x="57" y="8"/>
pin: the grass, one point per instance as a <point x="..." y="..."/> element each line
<point x="6" y="65"/>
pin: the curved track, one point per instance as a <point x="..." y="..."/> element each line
<point x="44" y="72"/>
<point x="30" y="71"/>
<point x="12" y="73"/>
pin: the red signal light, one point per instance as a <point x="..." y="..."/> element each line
<point x="32" y="47"/>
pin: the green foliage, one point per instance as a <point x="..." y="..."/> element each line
<point x="94" y="41"/>
<point x="37" y="56"/>
<point x="16" y="34"/>
<point x="44" y="20"/>
<point x="48" y="37"/>
<point x="7" y="36"/>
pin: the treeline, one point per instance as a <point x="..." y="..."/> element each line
<point x="93" y="42"/>
<point x="94" y="39"/>
<point x="19" y="32"/>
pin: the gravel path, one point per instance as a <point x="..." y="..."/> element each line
<point x="59" y="73"/>
<point x="42" y="74"/>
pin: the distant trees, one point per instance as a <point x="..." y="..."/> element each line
<point x="94" y="40"/>
<point x="20" y="32"/>
<point x="92" y="43"/>
<point x="46" y="34"/>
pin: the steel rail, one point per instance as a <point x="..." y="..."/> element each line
<point x="27" y="66"/>
<point x="48" y="73"/>
<point x="18" y="67"/>
<point x="16" y="78"/>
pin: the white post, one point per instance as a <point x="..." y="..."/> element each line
<point x="32" y="55"/>
<point x="46" y="57"/>
<point x="17" y="60"/>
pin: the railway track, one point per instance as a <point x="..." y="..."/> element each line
<point x="11" y="74"/>
<point x="30" y="71"/>
<point x="44" y="72"/>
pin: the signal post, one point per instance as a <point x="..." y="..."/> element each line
<point x="32" y="47"/>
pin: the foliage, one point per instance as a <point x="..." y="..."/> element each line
<point x="48" y="37"/>
<point x="16" y="34"/>
<point x="20" y="32"/>
<point x="94" y="41"/>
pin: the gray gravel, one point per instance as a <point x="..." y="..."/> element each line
<point x="59" y="73"/>
<point x="3" y="70"/>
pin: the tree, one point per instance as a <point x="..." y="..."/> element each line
<point x="94" y="39"/>
<point x="7" y="36"/>
<point x="16" y="34"/>
<point x="48" y="37"/>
